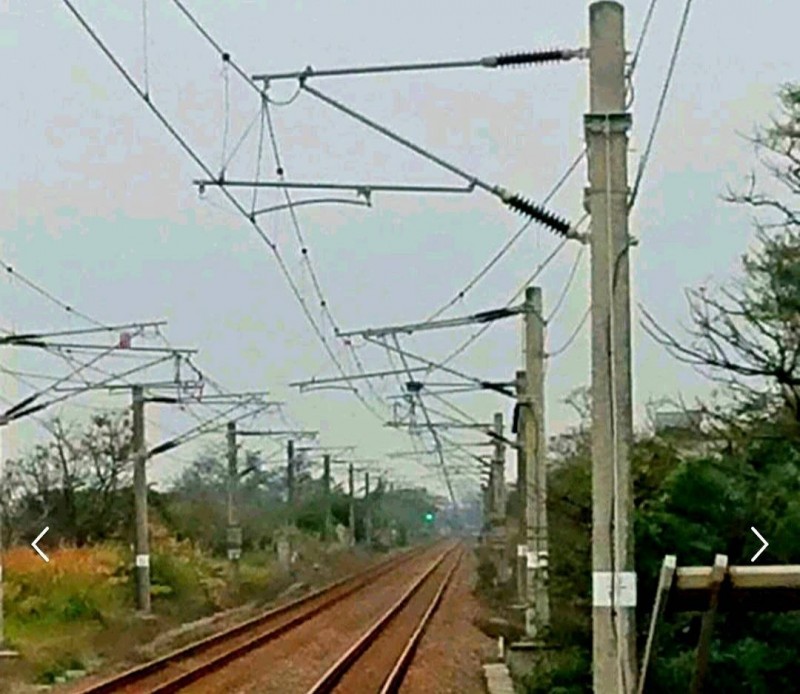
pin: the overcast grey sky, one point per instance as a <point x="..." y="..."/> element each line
<point x="96" y="201"/>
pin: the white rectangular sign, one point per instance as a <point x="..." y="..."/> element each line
<point x="624" y="589"/>
<point x="142" y="560"/>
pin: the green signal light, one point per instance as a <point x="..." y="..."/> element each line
<point x="428" y="517"/>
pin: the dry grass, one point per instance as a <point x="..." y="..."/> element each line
<point x="77" y="611"/>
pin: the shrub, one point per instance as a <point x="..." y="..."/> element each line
<point x="75" y="585"/>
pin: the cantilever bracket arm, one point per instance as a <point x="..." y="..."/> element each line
<point x="518" y="59"/>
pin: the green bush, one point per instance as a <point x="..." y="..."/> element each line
<point x="561" y="672"/>
<point x="177" y="586"/>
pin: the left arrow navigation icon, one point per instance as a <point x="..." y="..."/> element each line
<point x="38" y="551"/>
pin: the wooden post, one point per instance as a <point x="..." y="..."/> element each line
<point x="707" y="627"/>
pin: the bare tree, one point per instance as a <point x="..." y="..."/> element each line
<point x="105" y="450"/>
<point x="747" y="335"/>
<point x="74" y="480"/>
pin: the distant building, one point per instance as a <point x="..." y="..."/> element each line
<point x="687" y="431"/>
<point x="681" y="421"/>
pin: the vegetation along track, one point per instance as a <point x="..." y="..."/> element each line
<point x="191" y="663"/>
<point x="379" y="659"/>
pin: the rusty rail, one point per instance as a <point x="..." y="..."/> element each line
<point x="330" y="680"/>
<point x="330" y="595"/>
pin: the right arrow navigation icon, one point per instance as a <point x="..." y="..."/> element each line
<point x="763" y="546"/>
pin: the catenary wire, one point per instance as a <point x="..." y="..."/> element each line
<point x="234" y="201"/>
<point x="287" y="195"/>
<point x="69" y="309"/>
<point x="280" y="170"/>
<point x="314" y="278"/>
<point x="572" y="337"/>
<point x="565" y="290"/>
<point x="661" y="102"/>
<point x="12" y="272"/>
<point x="508" y="244"/>
<point x="642" y="35"/>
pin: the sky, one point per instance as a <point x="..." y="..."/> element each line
<point x="97" y="203"/>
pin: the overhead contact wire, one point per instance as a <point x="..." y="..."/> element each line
<point x="197" y="160"/>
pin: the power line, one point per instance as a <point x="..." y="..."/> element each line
<point x="572" y="337"/>
<point x="62" y="379"/>
<point x="453" y="407"/>
<point x="509" y="243"/>
<point x="514" y="238"/>
<point x="290" y="206"/>
<point x="482" y="330"/>
<point x="436" y="440"/>
<point x="12" y="272"/>
<point x="567" y="285"/>
<point x="197" y="160"/>
<point x="324" y="304"/>
<point x="26" y="378"/>
<point x="242" y="138"/>
<point x="642" y="35"/>
<point x="226" y="111"/>
<point x="280" y="171"/>
<point x="661" y="102"/>
<point x="26" y="406"/>
<point x="68" y="308"/>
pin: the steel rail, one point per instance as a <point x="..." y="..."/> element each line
<point x="331" y="679"/>
<point x="392" y="683"/>
<point x="351" y="584"/>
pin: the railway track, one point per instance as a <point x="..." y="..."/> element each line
<point x="183" y="667"/>
<point x="379" y="659"/>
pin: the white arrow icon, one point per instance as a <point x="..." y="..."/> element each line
<point x="38" y="551"/>
<point x="765" y="545"/>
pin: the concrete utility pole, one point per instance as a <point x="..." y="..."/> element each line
<point x="290" y="496"/>
<point x="497" y="503"/>
<point x="142" y="540"/>
<point x="535" y="438"/>
<point x="326" y="481"/>
<point x="486" y="492"/>
<point x="367" y="512"/>
<point x="351" y="485"/>
<point x="234" y="536"/>
<point x="521" y="566"/>
<point x="613" y="574"/>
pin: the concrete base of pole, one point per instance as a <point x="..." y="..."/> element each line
<point x="497" y="678"/>
<point x="533" y="636"/>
